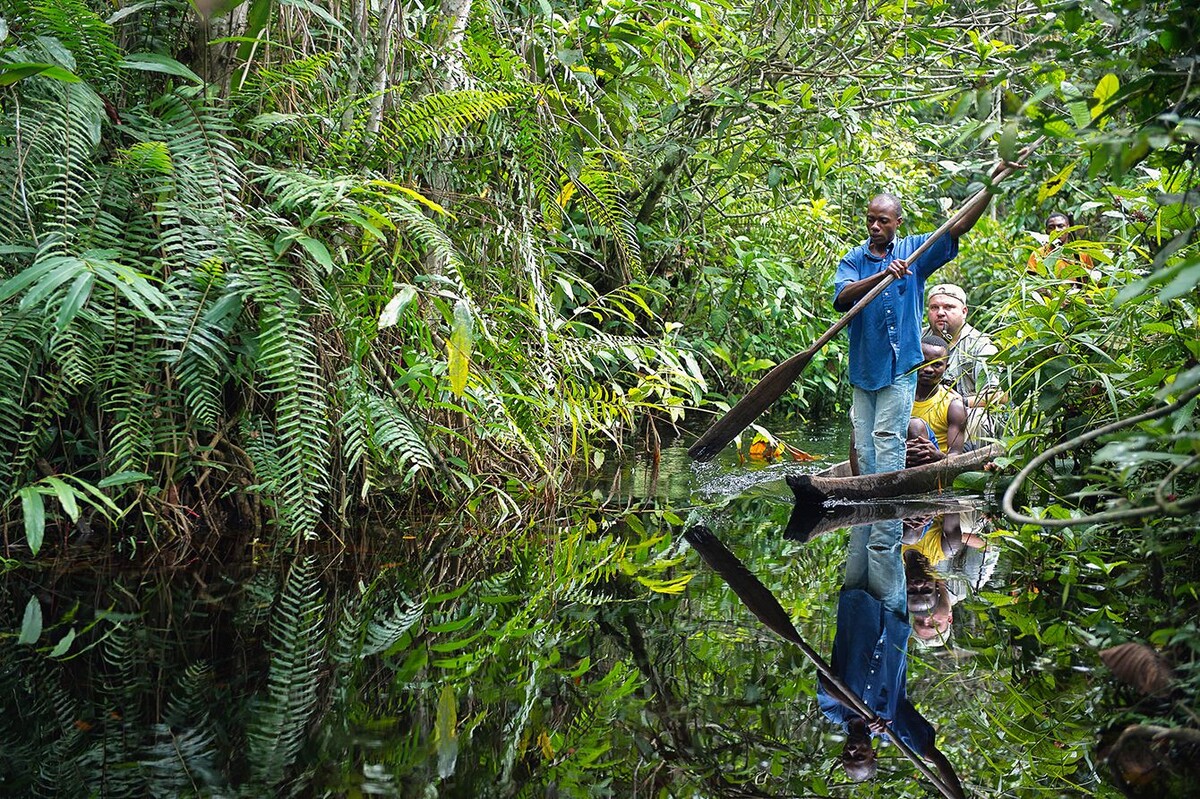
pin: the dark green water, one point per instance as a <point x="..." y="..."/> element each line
<point x="591" y="656"/>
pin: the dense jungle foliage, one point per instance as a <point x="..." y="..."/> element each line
<point x="283" y="277"/>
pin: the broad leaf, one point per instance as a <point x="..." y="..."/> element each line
<point x="35" y="517"/>
<point x="446" y="732"/>
<point x="31" y="625"/>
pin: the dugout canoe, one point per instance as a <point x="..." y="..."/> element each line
<point x="836" y="483"/>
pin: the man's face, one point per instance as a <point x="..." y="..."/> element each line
<point x="858" y="758"/>
<point x="946" y="313"/>
<point x="882" y="221"/>
<point x="1056" y="227"/>
<point x="931" y="372"/>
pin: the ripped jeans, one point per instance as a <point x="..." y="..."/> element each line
<point x="880" y="421"/>
<point x="873" y="563"/>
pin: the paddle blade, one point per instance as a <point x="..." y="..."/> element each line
<point x="751" y="406"/>
<point x="754" y="595"/>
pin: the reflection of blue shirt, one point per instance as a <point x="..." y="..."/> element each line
<point x="870" y="655"/>
<point x="885" y="338"/>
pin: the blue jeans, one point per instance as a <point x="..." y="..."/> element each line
<point x="880" y="421"/>
<point x="873" y="563"/>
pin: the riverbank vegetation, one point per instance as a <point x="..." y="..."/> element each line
<point x="278" y="275"/>
<point x="278" y="265"/>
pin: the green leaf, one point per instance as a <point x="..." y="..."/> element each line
<point x="31" y="625"/>
<point x="458" y="348"/>
<point x="1008" y="141"/>
<point x="395" y="307"/>
<point x="317" y="250"/>
<point x="64" y="644"/>
<point x="1184" y="281"/>
<point x="257" y="17"/>
<point x="122" y="478"/>
<point x="1059" y="129"/>
<point x="35" y="517"/>
<point x="77" y="297"/>
<point x="446" y="733"/>
<point x="11" y="73"/>
<point x="156" y="62"/>
<point x="66" y="497"/>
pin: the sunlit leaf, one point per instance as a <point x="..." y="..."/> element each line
<point x="396" y="305"/>
<point x="458" y="348"/>
<point x="1054" y="185"/>
<point x="1105" y="90"/>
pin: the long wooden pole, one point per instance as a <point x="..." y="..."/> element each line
<point x="763" y="604"/>
<point x="779" y="379"/>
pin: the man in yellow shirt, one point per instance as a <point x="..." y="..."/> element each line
<point x="936" y="409"/>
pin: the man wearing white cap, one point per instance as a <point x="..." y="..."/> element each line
<point x="969" y="349"/>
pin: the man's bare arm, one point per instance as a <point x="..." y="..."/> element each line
<point x="853" y="292"/>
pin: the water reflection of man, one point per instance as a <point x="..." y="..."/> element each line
<point x="870" y="655"/>
<point x="925" y="545"/>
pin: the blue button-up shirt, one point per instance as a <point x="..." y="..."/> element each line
<point x="870" y="655"/>
<point x="885" y="337"/>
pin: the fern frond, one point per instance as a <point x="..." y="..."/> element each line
<point x="183" y="753"/>
<point x="84" y="33"/>
<point x="436" y="116"/>
<point x="126" y="403"/>
<point x="602" y="197"/>
<point x="21" y="336"/>
<point x="280" y="718"/>
<point x="291" y="379"/>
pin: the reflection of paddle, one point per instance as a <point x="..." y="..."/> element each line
<point x="763" y="604"/>
<point x="779" y="379"/>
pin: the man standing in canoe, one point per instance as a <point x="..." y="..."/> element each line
<point x="885" y="338"/>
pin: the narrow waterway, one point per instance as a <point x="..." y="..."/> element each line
<point x="596" y="656"/>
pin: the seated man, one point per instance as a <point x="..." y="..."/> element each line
<point x="936" y="410"/>
<point x="968" y="352"/>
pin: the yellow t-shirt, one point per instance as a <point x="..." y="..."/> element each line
<point x="935" y="410"/>
<point x="930" y="544"/>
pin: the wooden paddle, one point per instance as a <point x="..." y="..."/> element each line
<point x="779" y="379"/>
<point x="763" y="604"/>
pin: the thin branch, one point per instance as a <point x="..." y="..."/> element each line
<point x="1171" y="509"/>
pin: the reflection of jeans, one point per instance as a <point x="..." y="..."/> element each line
<point x="880" y="420"/>
<point x="873" y="563"/>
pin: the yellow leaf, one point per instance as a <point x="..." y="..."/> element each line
<point x="458" y="348"/>
<point x="675" y="586"/>
<point x="1106" y="89"/>
<point x="1052" y="186"/>
<point x="547" y="747"/>
<point x="564" y="196"/>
